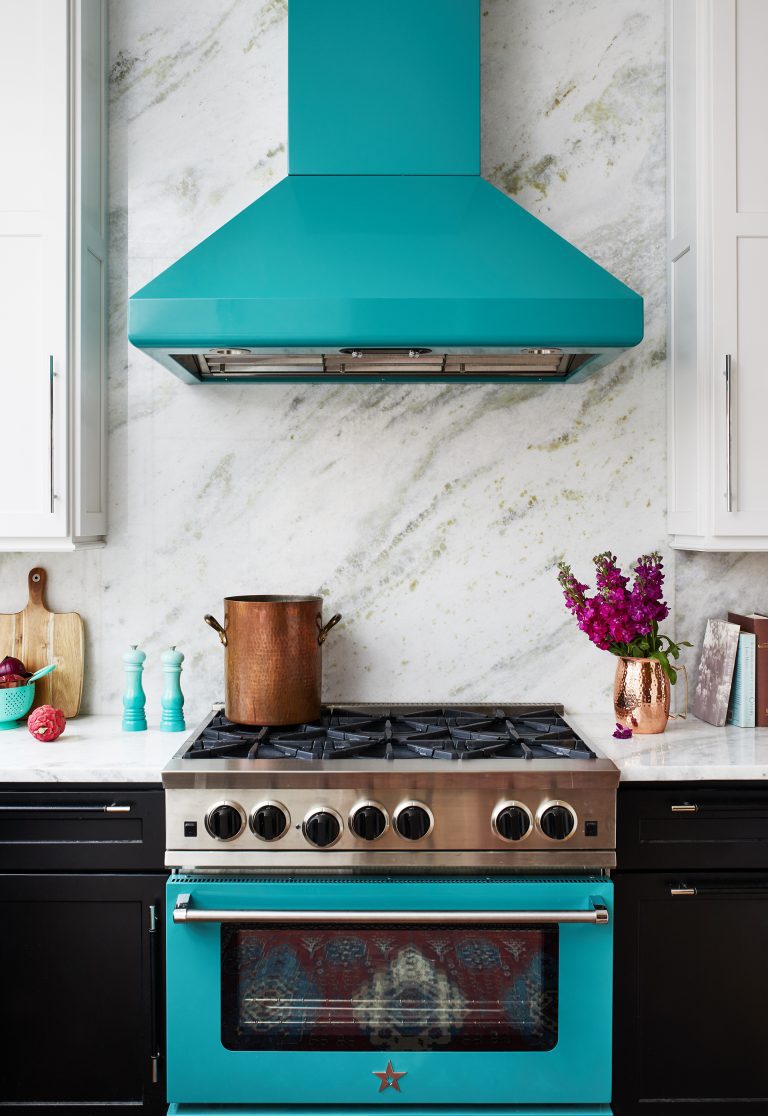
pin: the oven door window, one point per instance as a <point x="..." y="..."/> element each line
<point x="400" y="987"/>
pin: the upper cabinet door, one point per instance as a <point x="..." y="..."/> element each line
<point x="718" y="274"/>
<point x="34" y="207"/>
<point x="740" y="266"/>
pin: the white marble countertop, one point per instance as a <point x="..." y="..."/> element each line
<point x="96" y="750"/>
<point x="688" y="750"/>
<point x="91" y="750"/>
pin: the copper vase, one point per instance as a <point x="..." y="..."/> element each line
<point x="641" y="695"/>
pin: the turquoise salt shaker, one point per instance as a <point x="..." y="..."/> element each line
<point x="172" y="718"/>
<point x="134" y="699"/>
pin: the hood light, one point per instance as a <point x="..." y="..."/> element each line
<point x="397" y="354"/>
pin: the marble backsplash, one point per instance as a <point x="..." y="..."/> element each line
<point x="430" y="516"/>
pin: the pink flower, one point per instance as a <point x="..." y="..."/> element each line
<point x="647" y="605"/>
<point x="619" y="619"/>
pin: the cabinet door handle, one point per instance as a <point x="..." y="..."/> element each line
<point x="684" y="808"/>
<point x="50" y="424"/>
<point x="83" y="808"/>
<point x="728" y="424"/>
<point x="154" y="1057"/>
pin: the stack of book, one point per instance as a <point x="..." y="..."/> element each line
<point x="732" y="683"/>
<point x="748" y="705"/>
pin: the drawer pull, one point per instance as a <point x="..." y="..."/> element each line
<point x="750" y="889"/>
<point x="684" y="808"/>
<point x="83" y="808"/>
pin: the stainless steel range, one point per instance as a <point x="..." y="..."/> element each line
<point x="393" y="787"/>
<point x="392" y="905"/>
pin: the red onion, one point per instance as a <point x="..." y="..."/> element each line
<point x="9" y="665"/>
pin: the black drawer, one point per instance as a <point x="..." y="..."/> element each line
<point x="693" y="825"/>
<point x="64" y="828"/>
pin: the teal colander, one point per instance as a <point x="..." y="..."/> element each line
<point x="15" y="702"/>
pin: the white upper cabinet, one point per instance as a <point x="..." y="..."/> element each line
<point x="718" y="274"/>
<point x="53" y="273"/>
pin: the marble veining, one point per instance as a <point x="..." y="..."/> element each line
<point x="430" y="516"/>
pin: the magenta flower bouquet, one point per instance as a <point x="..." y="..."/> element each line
<point x="620" y="618"/>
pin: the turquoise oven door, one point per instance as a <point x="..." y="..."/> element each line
<point x="387" y="991"/>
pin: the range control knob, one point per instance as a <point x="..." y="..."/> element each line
<point x="368" y="822"/>
<point x="269" y="821"/>
<point x="322" y="828"/>
<point x="413" y="821"/>
<point x="557" y="822"/>
<point x="225" y="821"/>
<point x="513" y="822"/>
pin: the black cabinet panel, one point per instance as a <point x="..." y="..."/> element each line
<point x="82" y="991"/>
<point x="63" y="828"/>
<point x="693" y="826"/>
<point x="691" y="989"/>
<point x="691" y="949"/>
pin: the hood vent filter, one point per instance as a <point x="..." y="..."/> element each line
<point x="372" y="364"/>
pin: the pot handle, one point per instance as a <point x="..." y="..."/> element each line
<point x="325" y="628"/>
<point x="213" y="623"/>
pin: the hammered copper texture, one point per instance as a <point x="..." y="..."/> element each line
<point x="272" y="660"/>
<point x="641" y="695"/>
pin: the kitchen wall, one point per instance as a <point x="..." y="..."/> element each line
<point x="431" y="516"/>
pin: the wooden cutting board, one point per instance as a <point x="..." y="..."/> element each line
<point x="38" y="637"/>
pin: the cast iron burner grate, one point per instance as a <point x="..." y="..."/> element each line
<point x="439" y="734"/>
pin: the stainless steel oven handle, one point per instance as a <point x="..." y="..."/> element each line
<point x="184" y="912"/>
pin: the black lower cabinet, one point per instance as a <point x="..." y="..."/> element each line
<point x="80" y="963"/>
<point x="691" y="994"/>
<point x="82" y="959"/>
<point x="691" y="957"/>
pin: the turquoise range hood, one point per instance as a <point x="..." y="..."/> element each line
<point x="384" y="256"/>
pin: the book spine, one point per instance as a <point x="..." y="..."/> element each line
<point x="761" y="676"/>
<point x="750" y="665"/>
<point x="741" y="709"/>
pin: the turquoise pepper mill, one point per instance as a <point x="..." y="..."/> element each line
<point x="134" y="698"/>
<point x="172" y="718"/>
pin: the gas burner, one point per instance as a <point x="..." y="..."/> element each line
<point x="382" y="788"/>
<point x="390" y="734"/>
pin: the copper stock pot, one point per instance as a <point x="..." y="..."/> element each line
<point x="272" y="658"/>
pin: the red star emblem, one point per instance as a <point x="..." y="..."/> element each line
<point x="389" y="1077"/>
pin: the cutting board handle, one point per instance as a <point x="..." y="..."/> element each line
<point x="37" y="586"/>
